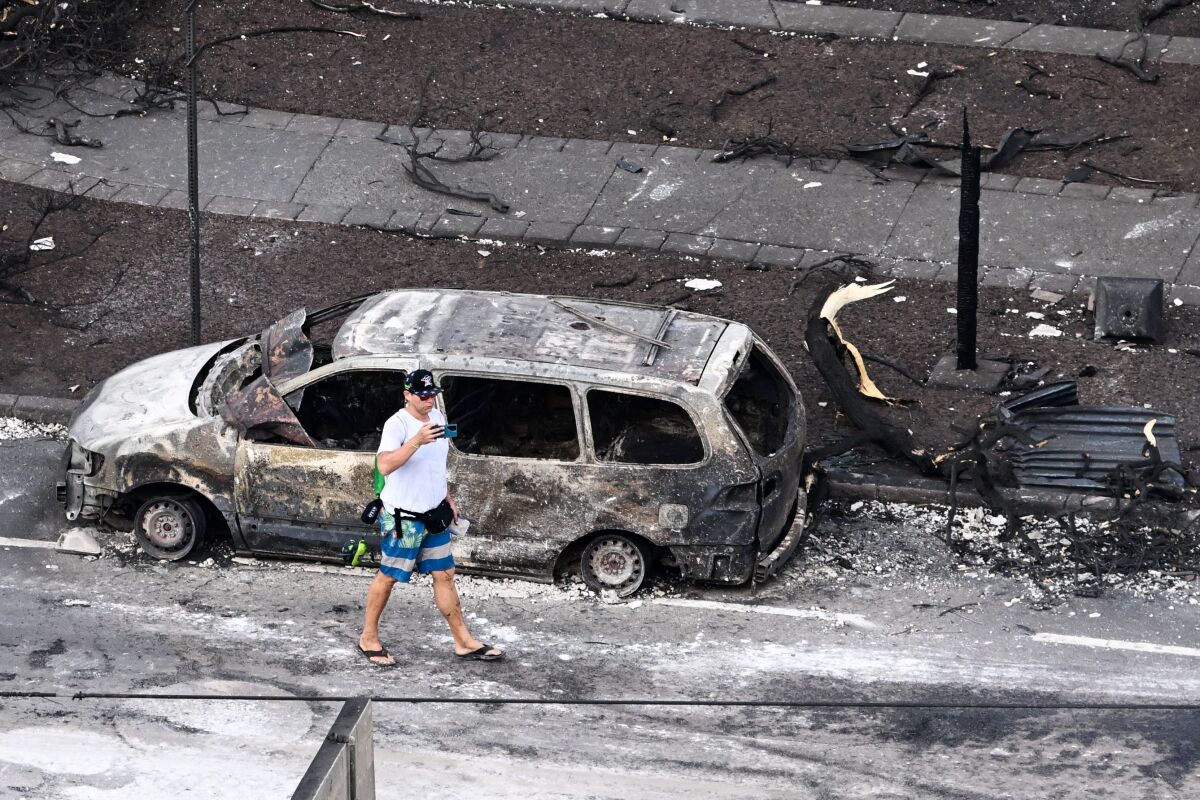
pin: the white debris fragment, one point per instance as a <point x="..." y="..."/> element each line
<point x="1045" y="330"/>
<point x="1178" y="301"/>
<point x="80" y="541"/>
<point x="66" y="158"/>
<point x="899" y="298"/>
<point x="1045" y="296"/>
<point x="951" y="310"/>
<point x="76" y="603"/>
<point x="484" y="253"/>
<point x="44" y="243"/>
<point x="702" y="284"/>
<point x="811" y="185"/>
<point x="13" y="428"/>
<point x="918" y="74"/>
<point x="1035" y="315"/>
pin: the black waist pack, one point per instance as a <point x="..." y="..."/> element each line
<point x="371" y="511"/>
<point x="435" y="520"/>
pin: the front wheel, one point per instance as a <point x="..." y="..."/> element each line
<point x="169" y="528"/>
<point x="613" y="563"/>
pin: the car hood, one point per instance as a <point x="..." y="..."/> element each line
<point x="148" y="394"/>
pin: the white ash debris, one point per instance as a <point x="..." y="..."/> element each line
<point x="898" y="542"/>
<point x="13" y="428"/>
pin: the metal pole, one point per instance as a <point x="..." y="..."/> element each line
<point x="193" y="170"/>
<point x="968" y="252"/>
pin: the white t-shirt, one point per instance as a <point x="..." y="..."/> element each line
<point x="420" y="483"/>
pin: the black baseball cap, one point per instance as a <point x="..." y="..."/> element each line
<point x="420" y="382"/>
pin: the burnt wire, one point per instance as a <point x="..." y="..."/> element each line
<point x="643" y="702"/>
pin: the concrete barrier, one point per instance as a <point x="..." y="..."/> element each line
<point x="344" y="767"/>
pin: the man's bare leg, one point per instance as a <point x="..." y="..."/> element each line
<point x="445" y="596"/>
<point x="377" y="596"/>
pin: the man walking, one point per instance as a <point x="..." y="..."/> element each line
<point x="412" y="458"/>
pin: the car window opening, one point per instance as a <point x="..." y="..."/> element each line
<point x="631" y="429"/>
<point x="517" y="419"/>
<point x="760" y="403"/>
<point x="347" y="411"/>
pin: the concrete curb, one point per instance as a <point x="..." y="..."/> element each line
<point x="916" y="490"/>
<point x="797" y="17"/>
<point x="34" y="408"/>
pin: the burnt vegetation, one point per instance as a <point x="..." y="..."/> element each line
<point x="26" y="247"/>
<point x="1151" y="522"/>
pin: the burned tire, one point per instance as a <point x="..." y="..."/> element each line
<point x="169" y="528"/>
<point x="614" y="562"/>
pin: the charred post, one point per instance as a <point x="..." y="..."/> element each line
<point x="968" y="252"/>
<point x="193" y="172"/>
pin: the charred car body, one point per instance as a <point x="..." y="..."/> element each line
<point x="612" y="434"/>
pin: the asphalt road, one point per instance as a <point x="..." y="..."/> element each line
<point x="130" y="625"/>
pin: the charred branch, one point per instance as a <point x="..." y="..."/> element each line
<point x="739" y="91"/>
<point x="235" y="37"/>
<point x="479" y="148"/>
<point x="1028" y="83"/>
<point x="928" y="83"/>
<point x="363" y="7"/>
<point x="765" y="145"/>
<point x="828" y="352"/>
<point x="1118" y="175"/>
<point x="17" y="257"/>
<point x="1153" y="9"/>
<point x="1135" y="65"/>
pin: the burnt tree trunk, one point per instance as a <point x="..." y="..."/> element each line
<point x="826" y="353"/>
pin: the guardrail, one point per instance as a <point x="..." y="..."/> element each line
<point x="344" y="767"/>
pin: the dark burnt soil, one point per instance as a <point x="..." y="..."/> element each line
<point x="1117" y="15"/>
<point x="524" y="72"/>
<point x="256" y="271"/>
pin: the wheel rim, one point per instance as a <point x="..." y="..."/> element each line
<point x="167" y="528"/>
<point x="615" y="563"/>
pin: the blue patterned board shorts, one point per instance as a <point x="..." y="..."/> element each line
<point x="411" y="548"/>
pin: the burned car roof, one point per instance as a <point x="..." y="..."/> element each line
<point x="639" y="339"/>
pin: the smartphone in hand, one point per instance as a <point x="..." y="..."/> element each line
<point x="450" y="431"/>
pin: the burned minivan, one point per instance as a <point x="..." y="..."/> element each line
<point x="611" y="436"/>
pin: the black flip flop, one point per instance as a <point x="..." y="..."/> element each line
<point x="481" y="654"/>
<point x="380" y="653"/>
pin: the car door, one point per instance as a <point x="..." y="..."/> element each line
<point x="296" y="499"/>
<point x="516" y="471"/>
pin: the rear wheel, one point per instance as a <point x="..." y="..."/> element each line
<point x="614" y="562"/>
<point x="169" y="528"/>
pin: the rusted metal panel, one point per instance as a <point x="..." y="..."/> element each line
<point x="533" y="328"/>
<point x="288" y="353"/>
<point x="259" y="411"/>
<point x="1084" y="446"/>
